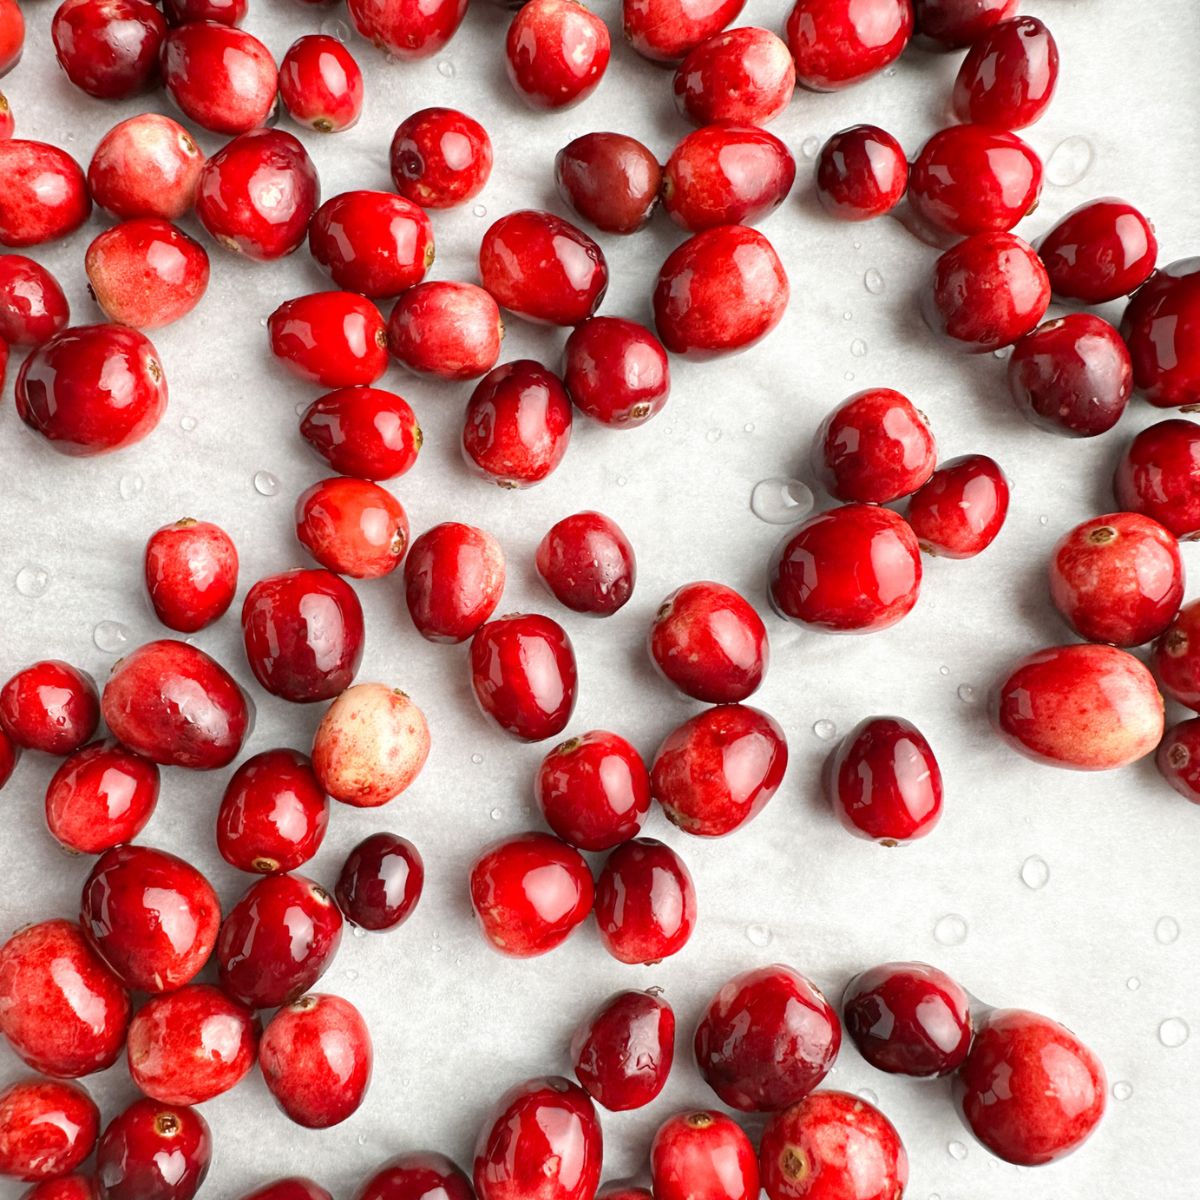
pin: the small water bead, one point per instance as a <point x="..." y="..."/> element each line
<point x="847" y="315"/>
<point x="352" y="975"/>
<point x="966" y="693"/>
<point x="496" y="814"/>
<point x="446" y="69"/>
<point x="1043" y="519"/>
<point x="263" y="322"/>
<point x="1069" y="161"/>
<point x="858" y="348"/>
<point x="359" y="931"/>
<point x="265" y="484"/>
<point x="621" y="481"/>
<point x="32" y="581"/>
<point x="1002" y="353"/>
<point x="187" y="424"/>
<point x="477" y="759"/>
<point x="339" y="30"/>
<point x="110" y="636"/>
<point x="437" y="947"/>
<point x="361" y="1139"/>
<point x="857" y="245"/>
<point x="849" y="375"/>
<point x="943" y="670"/>
<point x="1035" y="872"/>
<point x="301" y="407"/>
<point x="758" y="935"/>
<point x="951" y="930"/>
<point x="1122" y="1089"/>
<point x="781" y="501"/>
<point x="868" y="1095"/>
<point x="873" y="281"/>
<point x="825" y="729"/>
<point x="479" y="210"/>
<point x="1166" y="931"/>
<point x="1133" y="983"/>
<point x="957" y="1151"/>
<point x="713" y="436"/>
<point x="748" y="427"/>
<point x="130" y="486"/>
<point x="810" y="146"/>
<point x="1173" y="1032"/>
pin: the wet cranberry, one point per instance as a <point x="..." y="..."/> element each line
<point x="191" y="571"/>
<point x="703" y="1156"/>
<point x="1008" y="78"/>
<point x="1159" y="475"/>
<point x="836" y="43"/>
<point x="453" y="579"/>
<point x="588" y="564"/>
<point x="228" y="12"/>
<point x="417" y="1176"/>
<point x="147" y="166"/>
<point x="303" y="633"/>
<point x="623" y="1053"/>
<point x="1176" y="657"/>
<point x="610" y="180"/>
<point x="616" y="371"/>
<point x="292" y="1187"/>
<point x="363" y="431"/>
<point x="717" y="771"/>
<point x="32" y="305"/>
<point x="666" y="30"/>
<point x="191" y="1045"/>
<point x="50" y="706"/>
<point x="1100" y="251"/>
<point x="446" y="330"/>
<point x="45" y="195"/>
<point x="101" y="796"/>
<point x="320" y="84"/>
<point x="1178" y="758"/>
<point x="517" y="425"/>
<point x="645" y="902"/>
<point x="153" y="1151"/>
<point x="1030" y="1090"/>
<point x="108" y="48"/>
<point x="952" y="24"/>
<point x="221" y="77"/>
<point x="861" y="173"/>
<point x="47" y="1128"/>
<point x="1090" y="708"/>
<point x="257" y="194"/>
<point x="277" y="940"/>
<point x="66" y="1187"/>
<point x="12" y="35"/>
<point x="440" y="157"/>
<point x="908" y="1018"/>
<point x="273" y="814"/>
<point x="380" y="882"/>
<point x="335" y="339"/>
<point x="962" y="508"/>
<point x="352" y="526"/>
<point x="744" y="75"/>
<point x="556" y="53"/>
<point x="1161" y="326"/>
<point x="407" y="29"/>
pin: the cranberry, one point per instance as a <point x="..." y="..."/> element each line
<point x="47" y="1128"/>
<point x="175" y="705"/>
<point x="908" y="1018"/>
<point x="191" y="1045"/>
<point x="303" y="633"/>
<point x="32" y="305"/>
<point x="645" y="902"/>
<point x="277" y="940"/>
<point x="1100" y="251"/>
<point x="12" y="35"/>
<point x="1090" y="708"/>
<point x="352" y="526"/>
<point x="3" y="361"/>
<point x="108" y="48"/>
<point x="1178" y="758"/>
<point x="407" y="29"/>
<point x="446" y="330"/>
<point x="335" y="339"/>
<point x="953" y="24"/>
<point x="744" y="75"/>
<point x="1159" y="475"/>
<point x="556" y="53"/>
<point x="363" y="431"/>
<point x="703" y="1156"/>
<point x="717" y="770"/>
<point x="616" y="371"/>
<point x="7" y="123"/>
<point x="666" y="30"/>
<point x="221" y="77"/>
<point x="1030" y="1090"/>
<point x="623" y="1053"/>
<point x="191" y="571"/>
<point x="273" y="814"/>
<point x="66" y="1187"/>
<point x="380" y="882"/>
<point x="832" y="1145"/>
<point x="618" y="1191"/>
<point x="542" y="1141"/>
<point x="50" y="706"/>
<point x="417" y="1176"/>
<point x="292" y="1187"/>
<point x="375" y="243"/>
<point x="453" y="579"/>
<point x="837" y="43"/>
<point x="1176" y="657"/>
<point x="371" y="744"/>
<point x="153" y="1151"/>
<point x="440" y="157"/>
<point x="101" y="796"/>
<point x="530" y="893"/>
<point x="1161" y="326"/>
<point x="609" y="179"/>
<point x="45" y="195"/>
<point x="588" y="564"/>
<point x="861" y="173"/>
<point x="228" y="12"/>
<point x="9" y="751"/>
<point x="962" y="508"/>
<point x="257" y="194"/>
<point x="1008" y="78"/>
<point x="320" y="83"/>
<point x="147" y="166"/>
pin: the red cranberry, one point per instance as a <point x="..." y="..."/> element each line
<point x="417" y="1176"/>
<point x="303" y="633"/>
<point x="108" y="48"/>
<point x="335" y="339"/>
<point x="380" y="882"/>
<point x="623" y="1053"/>
<point x="1008" y="78"/>
<point x="523" y="675"/>
<point x="153" y="1151"/>
<point x="32" y="305"/>
<point x="7" y="123"/>
<point x="953" y="24"/>
<point x="293" y="1187"/>
<point x="363" y="431"/>
<point x="1176" y="657"/>
<point x="617" y="1191"/>
<point x="101" y="796"/>
<point x="861" y="173"/>
<point x="1178" y="758"/>
<point x="407" y="29"/>
<point x="9" y="751"/>
<point x="12" y="35"/>
<point x="609" y="179"/>
<point x="962" y="508"/>
<point x="45" y="195"/>
<point x="50" y="706"/>
<point x="352" y="526"/>
<point x="277" y="940"/>
<point x="228" y="12"/>
<point x="453" y="579"/>
<point x="191" y="570"/>
<point x="666" y="30"/>
<point x="703" y="1156"/>
<point x="1159" y="475"/>
<point x="588" y="564"/>
<point x="221" y="77"/>
<point x="530" y="893"/>
<point x="191" y="1045"/>
<point x="320" y="83"/>
<point x="257" y="194"/>
<point x="717" y="771"/>
<point x="1090" y="708"/>
<point x="1161" y="326"/>
<point x="176" y="706"/>
<point x="616" y="371"/>
<point x="556" y="53"/>
<point x="273" y="814"/>
<point x="836" y="43"/>
<point x="645" y="902"/>
<point x="66" y="1187"/>
<point x="1100" y="251"/>
<point x="446" y="330"/>
<point x="440" y="157"/>
<point x="744" y="75"/>
<point x="908" y="1018"/>
<point x="147" y="166"/>
<point x="1030" y="1090"/>
<point x="47" y="1128"/>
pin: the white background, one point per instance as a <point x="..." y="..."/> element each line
<point x="455" y="1024"/>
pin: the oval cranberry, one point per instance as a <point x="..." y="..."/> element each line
<point x="440" y="157"/>
<point x="12" y="35"/>
<point x="556" y="53"/>
<point x="837" y="43"/>
<point x="364" y="432"/>
<point x="446" y="330"/>
<point x="861" y="173"/>
<point x="1161" y="326"/>
<point x="101" y="796"/>
<point x="108" y="48"/>
<point x="417" y="1176"/>
<point x="1176" y="657"/>
<point x="1159" y="475"/>
<point x="616" y="371"/>
<point x="221" y="77"/>
<point x="623" y="1053"/>
<point x="609" y="179"/>
<point x="335" y="339"/>
<point x="645" y="902"/>
<point x="153" y="1151"/>
<point x="32" y="305"/>
<point x="666" y="30"/>
<point x="1178" y="758"/>
<point x="321" y="84"/>
<point x="453" y="579"/>
<point x="380" y="882"/>
<point x="1099" y="251"/>
<point x="50" y="706"/>
<point x="45" y="195"/>
<point x="191" y="571"/>
<point x="47" y="1128"/>
<point x="961" y="510"/>
<point x="742" y="75"/>
<point x="953" y="24"/>
<point x="588" y="564"/>
<point x="146" y="166"/>
<point x="352" y="526"/>
<point x="703" y="1154"/>
<point x="1008" y="78"/>
<point x="407" y="29"/>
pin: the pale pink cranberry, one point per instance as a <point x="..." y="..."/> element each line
<point x="147" y="166"/>
<point x="446" y="330"/>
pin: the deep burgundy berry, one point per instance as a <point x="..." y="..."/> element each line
<point x="1176" y="657"/>
<point x="183" y="12"/>
<point x="616" y="371"/>
<point x="293" y="1187"/>
<point x="363" y="431"/>
<point x="666" y="30"/>
<point x="407" y="29"/>
<point x="446" y="330"/>
<point x="453" y="580"/>
<point x="321" y="84"/>
<point x="609" y="179"/>
<point x="645" y="902"/>
<point x="1178" y="758"/>
<point x="108" y="48"/>
<point x="47" y="1128"/>
<point x="837" y="43"/>
<point x="962" y="508"/>
<point x="153" y="1151"/>
<point x="1161" y="326"/>
<point x="952" y="24"/>
<point x="221" y="77"/>
<point x="352" y="526"/>
<point x="1099" y="251"/>
<point x="588" y="564"/>
<point x="50" y="706"/>
<point x="741" y="75"/>
<point x="703" y="1156"/>
<point x="1008" y="78"/>
<point x="101" y="796"/>
<point x="624" y="1052"/>
<point x="417" y="1176"/>
<point x="380" y="882"/>
<point x="32" y="305"/>
<point x="191" y="571"/>
<point x="556" y="53"/>
<point x="440" y="157"/>
<point x="146" y="166"/>
<point x="1159" y="475"/>
<point x="335" y="339"/>
<point x="861" y="173"/>
<point x="45" y="195"/>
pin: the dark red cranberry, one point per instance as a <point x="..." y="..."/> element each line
<point x="335" y="339"/>
<point x="446" y="330"/>
<point x="623" y="1053"/>
<point x="1100" y="251"/>
<point x="1178" y="758"/>
<point x="440" y="157"/>
<point x="352" y="526"/>
<point x="588" y="564"/>
<point x="146" y="166"/>
<point x="645" y="902"/>
<point x="380" y="882"/>
<point x="101" y="796"/>
<point x="610" y="180"/>
<point x="616" y="371"/>
<point x="32" y="305"/>
<point x="703" y="1156"/>
<point x="1161" y="326"/>
<point x="1176" y="657"/>
<point x="953" y="24"/>
<point x="908" y="1018"/>
<point x="364" y="432"/>
<point x="836" y="43"/>
<point x="191" y="570"/>
<point x="9" y="752"/>
<point x="556" y="53"/>
<point x="12" y="35"/>
<point x="50" y="706"/>
<point x="1159" y="475"/>
<point x="293" y="1187"/>
<point x="407" y="29"/>
<point x="666" y="30"/>
<point x="45" y="195"/>
<point x="228" y="12"/>
<point x="742" y="75"/>
<point x="153" y="1151"/>
<point x="861" y="173"/>
<point x="453" y="579"/>
<point x="1008" y="78"/>
<point x="321" y="84"/>
<point x="417" y="1176"/>
<point x="47" y="1128"/>
<point x="221" y="77"/>
<point x="962" y="508"/>
<point x="108" y="48"/>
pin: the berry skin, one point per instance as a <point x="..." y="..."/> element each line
<point x="184" y="12"/>
<point x="66" y="1187"/>
<point x="717" y="770"/>
<point x="9" y="752"/>
<point x="1176" y="657"/>
<point x="335" y="339"/>
<point x="108" y="48"/>
<point x="453" y="580"/>
<point x="645" y="902"/>
<point x="446" y="330"/>
<point x="837" y="43"/>
<point x="153" y="1151"/>
<point x="1008" y="78"/>
<point x="556" y="53"/>
<point x="146" y="166"/>
<point x="380" y="882"/>
<point x="961" y="510"/>
<point x="611" y="180"/>
<point x="1161" y="326"/>
<point x="221" y="77"/>
<point x="364" y="432"/>
<point x="45" y="195"/>
<point x="622" y="1054"/>
<point x="352" y="526"/>
<point x="953" y="24"/>
<point x="666" y="31"/>
<point x="861" y="173"/>
<point x="440" y="158"/>
<point x="588" y="564"/>
<point x="293" y="1187"/>
<point x="47" y="1128"/>
<point x="530" y="893"/>
<point x="616" y="372"/>
<point x="50" y="706"/>
<point x="1178" y="758"/>
<point x="7" y="123"/>
<point x="703" y="1156"/>
<point x="320" y="84"/>
<point x="1159" y="476"/>
<point x="1099" y="251"/>
<point x="191" y="570"/>
<point x="417" y="1176"/>
<point x="32" y="305"/>
<point x="742" y="75"/>
<point x="101" y="796"/>
<point x="407" y="29"/>
<point x="12" y="35"/>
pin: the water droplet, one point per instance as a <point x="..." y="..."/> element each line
<point x="1035" y="872"/>
<point x="758" y="935"/>
<point x="130" y="486"/>
<point x="479" y="210"/>
<point x="359" y="931"/>
<point x="874" y="282"/>
<point x="32" y="581"/>
<point x="849" y="375"/>
<point x="748" y="427"/>
<point x="781" y="501"/>
<point x="713" y="436"/>
<point x="957" y="1151"/>
<point x="1122" y="1089"/>
<point x="943" y="670"/>
<point x="1173" y="1032"/>
<point x="810" y="146"/>
<point x="868" y="1095"/>
<point x="1069" y="161"/>
<point x="361" y="1139"/>
<point x="1166" y="931"/>
<point x="951" y="930"/>
<point x="187" y="424"/>
<point x="621" y="481"/>
<point x="858" y="245"/>
<point x="352" y="975"/>
<point x="263" y="322"/>
<point x="301" y="407"/>
<point x="890" y="72"/>
<point x="477" y="759"/>
<point x="496" y="814"/>
<point x="847" y="315"/>
<point x="1002" y="353"/>
<point x="1133" y="983"/>
<point x="825" y="729"/>
<point x="339" y="30"/>
<point x="265" y="484"/>
<point x="966" y="693"/>
<point x="1043" y="519"/>
<point x="446" y="69"/>
<point x="110" y="636"/>
<point x="858" y="348"/>
<point x="437" y="947"/>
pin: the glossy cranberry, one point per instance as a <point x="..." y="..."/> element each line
<point x="1030" y="1090"/>
<point x="417" y="1176"/>
<point x="303" y="633"/>
<point x="908" y="1018"/>
<point x="320" y="83"/>
<point x="616" y="371"/>
<point x="153" y="1151"/>
<point x="50" y="706"/>
<point x="446" y="330"/>
<point x="610" y="180"/>
<point x="962" y="508"/>
<point x="12" y="35"/>
<point x="221" y="77"/>
<point x="407" y="29"/>
<point x="1008" y="78"/>
<point x="352" y="526"/>
<point x="176" y="706"/>
<point x="836" y="43"/>
<point x="101" y="796"/>
<point x="645" y="902"/>
<point x="744" y="75"/>
<point x="1176" y="657"/>
<point x="530" y="893"/>
<point x="335" y="339"/>
<point x="703" y="1156"/>
<point x="1159" y="475"/>
<point x="861" y="173"/>
<point x="623" y="1053"/>
<point x="1100" y="251"/>
<point x="277" y="940"/>
<point x="1161" y="326"/>
<point x="191" y="1045"/>
<point x="146" y="166"/>
<point x="364" y="432"/>
<point x="380" y="882"/>
<point x="292" y="1187"/>
<point x="666" y="30"/>
<point x="191" y="570"/>
<point x="953" y="24"/>
<point x="32" y="305"/>
<point x="257" y="194"/>
<point x="453" y="579"/>
<point x="66" y="1187"/>
<point x="3" y="361"/>
<point x="62" y="1010"/>
<point x="440" y="157"/>
<point x="45" y="195"/>
<point x="1090" y="708"/>
<point x="108" y="48"/>
<point x="556" y="53"/>
<point x="588" y="564"/>
<point x="1178" y="758"/>
<point x="273" y="814"/>
<point x="228" y="12"/>
<point x="47" y="1128"/>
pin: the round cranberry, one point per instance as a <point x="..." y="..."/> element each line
<point x="588" y="564"/>
<point x="908" y="1018"/>
<point x="666" y="30"/>
<point x="1100" y="251"/>
<point x="836" y="43"/>
<point x="861" y="173"/>
<point x="962" y="508"/>
<point x="364" y="432"/>
<point x="228" y="12"/>
<point x="12" y="35"/>
<point x="530" y="893"/>
<point x="407" y="29"/>
<point x="953" y="24"/>
<point x="221" y="77"/>
<point x="609" y="179"/>
<point x="292" y="1187"/>
<point x="175" y="705"/>
<point x="417" y="1176"/>
<point x="146" y="166"/>
<point x="108" y="48"/>
<point x="446" y="330"/>
<point x="45" y="195"/>
<point x="191" y="571"/>
<point x="1161" y="326"/>
<point x="320" y="83"/>
<point x="47" y="1128"/>
<point x="153" y="1151"/>
<point x="303" y="633"/>
<point x="1030" y="1090"/>
<point x="453" y="579"/>
<point x="440" y="157"/>
<point x="352" y="526"/>
<point x="616" y="371"/>
<point x="623" y="1053"/>
<point x="1176" y="657"/>
<point x="744" y="75"/>
<point x="50" y="706"/>
<point x="335" y="339"/>
<point x="380" y="882"/>
<point x="1008" y="78"/>
<point x="556" y="53"/>
<point x="277" y="940"/>
<point x="257" y="194"/>
<point x="703" y="1156"/>
<point x="66" y="1187"/>
<point x="717" y="771"/>
<point x="191" y="1045"/>
<point x="32" y="305"/>
<point x="1090" y="708"/>
<point x="645" y="902"/>
<point x="101" y="796"/>
<point x="1178" y="758"/>
<point x="273" y="814"/>
<point x="1159" y="475"/>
